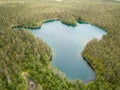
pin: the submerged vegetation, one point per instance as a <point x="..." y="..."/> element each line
<point x="21" y="52"/>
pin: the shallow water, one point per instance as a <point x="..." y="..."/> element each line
<point x="67" y="44"/>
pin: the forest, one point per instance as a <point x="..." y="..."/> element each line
<point x="24" y="57"/>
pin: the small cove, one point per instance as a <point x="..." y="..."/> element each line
<point x="67" y="44"/>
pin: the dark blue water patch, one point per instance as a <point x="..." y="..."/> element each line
<point x="23" y="27"/>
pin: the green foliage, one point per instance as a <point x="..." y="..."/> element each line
<point x="22" y="52"/>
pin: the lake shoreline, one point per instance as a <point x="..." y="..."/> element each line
<point x="39" y="24"/>
<point x="51" y="57"/>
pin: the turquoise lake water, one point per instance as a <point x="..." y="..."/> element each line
<point x="67" y="44"/>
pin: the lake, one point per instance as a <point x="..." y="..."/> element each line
<point x="67" y="43"/>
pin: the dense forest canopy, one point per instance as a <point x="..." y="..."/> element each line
<point x="25" y="58"/>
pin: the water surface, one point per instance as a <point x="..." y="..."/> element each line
<point x="67" y="44"/>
